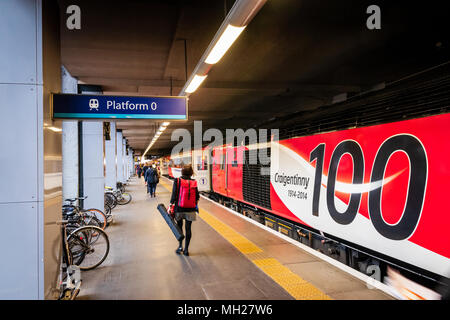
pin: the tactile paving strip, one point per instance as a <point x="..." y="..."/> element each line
<point x="297" y="287"/>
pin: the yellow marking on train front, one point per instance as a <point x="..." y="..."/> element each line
<point x="297" y="287"/>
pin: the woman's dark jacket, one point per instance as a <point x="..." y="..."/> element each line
<point x="174" y="198"/>
<point x="151" y="175"/>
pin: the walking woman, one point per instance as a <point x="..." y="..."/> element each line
<point x="138" y="170"/>
<point x="151" y="177"/>
<point x="185" y="198"/>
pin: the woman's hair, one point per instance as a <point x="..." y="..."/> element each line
<point x="187" y="170"/>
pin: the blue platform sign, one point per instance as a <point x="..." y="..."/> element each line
<point x="82" y="106"/>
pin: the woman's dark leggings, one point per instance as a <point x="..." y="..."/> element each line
<point x="188" y="234"/>
<point x="151" y="188"/>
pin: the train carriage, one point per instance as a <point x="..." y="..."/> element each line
<point x="366" y="188"/>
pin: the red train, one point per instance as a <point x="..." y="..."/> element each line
<point x="366" y="196"/>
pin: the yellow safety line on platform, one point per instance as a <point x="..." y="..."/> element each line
<point x="297" y="287"/>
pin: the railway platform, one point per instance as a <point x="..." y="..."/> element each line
<point x="230" y="259"/>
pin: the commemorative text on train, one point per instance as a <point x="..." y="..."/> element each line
<point x="292" y="180"/>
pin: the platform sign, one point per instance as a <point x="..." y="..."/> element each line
<point x="81" y="106"/>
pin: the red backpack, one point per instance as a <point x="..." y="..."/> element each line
<point x="187" y="196"/>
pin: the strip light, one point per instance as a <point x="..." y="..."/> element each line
<point x="195" y="83"/>
<point x="235" y="22"/>
<point x="223" y="44"/>
<point x="160" y="130"/>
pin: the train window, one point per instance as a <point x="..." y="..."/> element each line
<point x="199" y="163"/>
<point x="205" y="162"/>
<point x="202" y="162"/>
<point x="234" y="163"/>
<point x="224" y="157"/>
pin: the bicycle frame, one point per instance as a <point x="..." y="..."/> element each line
<point x="70" y="287"/>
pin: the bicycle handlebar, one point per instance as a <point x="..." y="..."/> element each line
<point x="75" y="199"/>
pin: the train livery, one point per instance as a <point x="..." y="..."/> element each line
<point x="381" y="189"/>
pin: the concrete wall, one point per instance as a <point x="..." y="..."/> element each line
<point x="30" y="144"/>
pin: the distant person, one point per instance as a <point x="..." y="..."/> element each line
<point x="138" y="171"/>
<point x="185" y="198"/>
<point x="144" y="169"/>
<point x="152" y="179"/>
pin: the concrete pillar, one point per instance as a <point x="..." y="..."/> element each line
<point x="69" y="142"/>
<point x="133" y="171"/>
<point x="93" y="174"/>
<point x="119" y="152"/>
<point x="126" y="164"/>
<point x="110" y="158"/>
<point x="124" y="157"/>
<point x="31" y="159"/>
<point x="129" y="165"/>
<point x="130" y="162"/>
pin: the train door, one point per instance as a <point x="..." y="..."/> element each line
<point x="234" y="172"/>
<point x="200" y="165"/>
<point x="219" y="170"/>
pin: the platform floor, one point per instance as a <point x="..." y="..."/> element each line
<point x="230" y="258"/>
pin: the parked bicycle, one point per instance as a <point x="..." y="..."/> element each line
<point x="90" y="216"/>
<point x="121" y="186"/>
<point x="115" y="197"/>
<point x="70" y="283"/>
<point x="88" y="244"/>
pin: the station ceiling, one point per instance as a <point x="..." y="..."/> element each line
<point x="295" y="55"/>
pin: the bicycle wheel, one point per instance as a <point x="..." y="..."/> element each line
<point x="89" y="219"/>
<point x="109" y="217"/>
<point x="101" y="217"/>
<point x="89" y="246"/>
<point x="124" y="198"/>
<point x="107" y="210"/>
<point x="110" y="200"/>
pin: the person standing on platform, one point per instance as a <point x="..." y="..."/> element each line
<point x="151" y="177"/>
<point x="158" y="174"/>
<point x="185" y="198"/>
<point x="138" y="170"/>
<point x="144" y="169"/>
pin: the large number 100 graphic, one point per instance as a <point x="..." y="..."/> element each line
<point x="415" y="152"/>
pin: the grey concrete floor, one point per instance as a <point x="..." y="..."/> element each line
<point x="331" y="280"/>
<point x="142" y="263"/>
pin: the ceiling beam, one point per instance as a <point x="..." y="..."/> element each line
<point x="252" y="86"/>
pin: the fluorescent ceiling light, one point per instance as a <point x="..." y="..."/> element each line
<point x="195" y="83"/>
<point x="54" y="129"/>
<point x="162" y="129"/>
<point x="224" y="43"/>
<point x="165" y="124"/>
